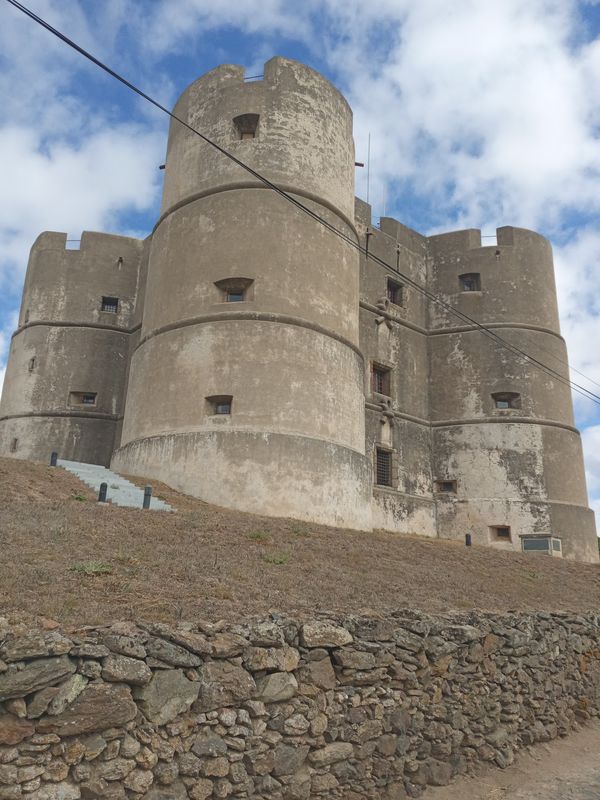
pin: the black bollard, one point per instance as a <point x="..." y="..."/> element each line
<point x="147" y="496"/>
<point x="53" y="458"/>
<point x="468" y="539"/>
<point x="102" y="492"/>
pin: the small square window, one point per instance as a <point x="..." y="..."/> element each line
<point x="501" y="532"/>
<point x="470" y="282"/>
<point x="83" y="398"/>
<point x="383" y="468"/>
<point x="380" y="380"/>
<point x="246" y="126"/>
<point x="445" y="487"/>
<point x="235" y="290"/>
<point x="219" y="404"/>
<point x="110" y="304"/>
<point x="394" y="292"/>
<point x="505" y="400"/>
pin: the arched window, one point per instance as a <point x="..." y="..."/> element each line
<point x="246" y="126"/>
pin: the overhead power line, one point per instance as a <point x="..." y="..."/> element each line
<point x="499" y="340"/>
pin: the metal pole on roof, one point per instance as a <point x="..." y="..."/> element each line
<point x="368" y="165"/>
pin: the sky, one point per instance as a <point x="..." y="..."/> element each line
<point x="480" y="114"/>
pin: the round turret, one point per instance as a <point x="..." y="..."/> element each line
<point x="250" y="328"/>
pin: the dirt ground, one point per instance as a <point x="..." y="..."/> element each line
<point x="66" y="557"/>
<point x="566" y="769"/>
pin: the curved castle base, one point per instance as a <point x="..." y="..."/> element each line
<point x="262" y="473"/>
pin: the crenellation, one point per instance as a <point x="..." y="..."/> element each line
<point x="244" y="354"/>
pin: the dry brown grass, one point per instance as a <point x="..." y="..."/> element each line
<point x="76" y="561"/>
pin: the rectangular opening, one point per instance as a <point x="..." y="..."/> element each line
<point x="506" y="399"/>
<point x="383" y="467"/>
<point x="470" y="282"/>
<point x="445" y="487"/>
<point x="380" y="379"/>
<point x="500" y="532"/>
<point x="14" y="445"/>
<point x="536" y="545"/>
<point x="219" y="404"/>
<point x="110" y="304"/>
<point x="234" y="296"/>
<point x="31" y="365"/>
<point x="394" y="292"/>
<point x="82" y="398"/>
<point x="246" y="126"/>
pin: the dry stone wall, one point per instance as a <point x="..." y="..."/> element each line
<point x="348" y="708"/>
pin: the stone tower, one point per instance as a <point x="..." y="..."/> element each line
<point x="498" y="421"/>
<point x="246" y="355"/>
<point x="249" y="337"/>
<point x="66" y="375"/>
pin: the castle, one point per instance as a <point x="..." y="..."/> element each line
<point x="246" y="355"/>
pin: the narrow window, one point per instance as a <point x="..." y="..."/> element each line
<point x="26" y="318"/>
<point x="501" y="532"/>
<point x="470" y="282"/>
<point x="14" y="445"/>
<point x="394" y="292"/>
<point x="31" y="366"/>
<point x="246" y="126"/>
<point x="235" y="295"/>
<point x="506" y="399"/>
<point x="445" y="487"/>
<point x="82" y="398"/>
<point x="110" y="304"/>
<point x="219" y="404"/>
<point x="235" y="290"/>
<point x="383" y="468"/>
<point x="380" y="380"/>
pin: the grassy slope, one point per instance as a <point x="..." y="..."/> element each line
<point x="208" y="562"/>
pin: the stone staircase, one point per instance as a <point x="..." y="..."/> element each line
<point x="121" y="492"/>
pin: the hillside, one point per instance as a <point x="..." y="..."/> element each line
<point x="66" y="557"/>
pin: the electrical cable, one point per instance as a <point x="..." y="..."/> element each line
<point x="589" y="395"/>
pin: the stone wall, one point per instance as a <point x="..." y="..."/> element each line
<point x="356" y="708"/>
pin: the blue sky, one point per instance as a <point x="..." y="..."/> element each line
<point x="481" y="114"/>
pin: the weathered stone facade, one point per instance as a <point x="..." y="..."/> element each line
<point x="283" y="709"/>
<point x="239" y="301"/>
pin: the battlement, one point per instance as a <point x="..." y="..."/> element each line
<point x="90" y="242"/>
<point x="471" y="239"/>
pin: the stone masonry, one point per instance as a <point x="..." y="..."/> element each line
<point x="245" y="355"/>
<point x="281" y="709"/>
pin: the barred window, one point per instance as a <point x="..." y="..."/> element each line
<point x="383" y="468"/>
<point x="380" y="379"/>
<point x="246" y="126"/>
<point x="500" y="531"/>
<point x="82" y="398"/>
<point x="110" y="304"/>
<point x="394" y="292"/>
<point x="445" y="487"/>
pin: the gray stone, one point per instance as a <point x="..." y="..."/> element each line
<point x="98" y="707"/>
<point x="13" y="730"/>
<point x="289" y="758"/>
<point x="125" y="645"/>
<point x="168" y="694"/>
<point x="223" y="684"/>
<point x="57" y="791"/>
<point x="35" y="645"/>
<point x="324" y="634"/>
<point x="176" y="791"/>
<point x="126" y="670"/>
<point x="331" y="753"/>
<point x="227" y="645"/>
<point x="282" y="658"/>
<point x="34" y="676"/>
<point x="171" y="653"/>
<point x="67" y="692"/>
<point x="276" y="687"/>
<point x="209" y="744"/>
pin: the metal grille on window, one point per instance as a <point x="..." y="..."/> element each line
<point x="384" y="468"/>
<point x="381" y="380"/>
<point x="110" y="304"/>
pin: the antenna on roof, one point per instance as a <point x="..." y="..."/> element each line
<point x="368" y="165"/>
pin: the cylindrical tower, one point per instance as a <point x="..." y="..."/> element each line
<point x="250" y="329"/>
<point x="65" y="378"/>
<point x="507" y="457"/>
